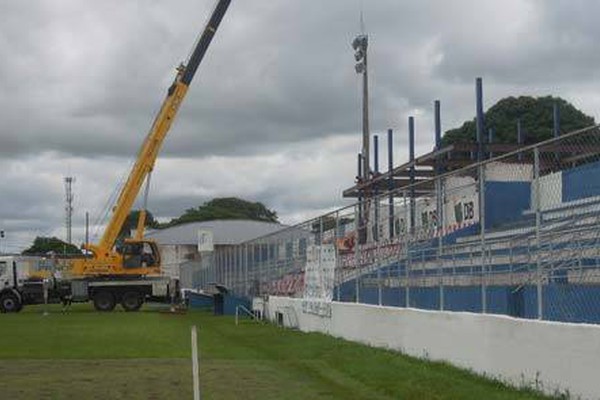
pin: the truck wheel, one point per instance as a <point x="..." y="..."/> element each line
<point x="9" y="302"/>
<point x="104" y="301"/>
<point x="131" y="301"/>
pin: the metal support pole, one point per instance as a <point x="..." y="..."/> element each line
<point x="390" y="138"/>
<point x="440" y="199"/>
<point x="337" y="256"/>
<point x="482" y="238"/>
<point x="480" y="117"/>
<point x="365" y="119"/>
<point x="411" y="158"/>
<point x="407" y="233"/>
<point x="440" y="223"/>
<point x="356" y="254"/>
<point x="438" y="124"/>
<point x="376" y="191"/>
<point x="538" y="222"/>
<point x="246" y="283"/>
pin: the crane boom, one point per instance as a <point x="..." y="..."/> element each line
<point x="105" y="261"/>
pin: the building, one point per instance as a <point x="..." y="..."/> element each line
<point x="188" y="249"/>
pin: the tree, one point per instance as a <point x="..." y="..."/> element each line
<point x="226" y="208"/>
<point x="132" y="221"/>
<point x="536" y="116"/>
<point x="44" y="245"/>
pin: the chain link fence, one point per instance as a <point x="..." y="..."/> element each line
<point x="516" y="234"/>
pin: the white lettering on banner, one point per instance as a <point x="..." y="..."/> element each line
<point x="319" y="280"/>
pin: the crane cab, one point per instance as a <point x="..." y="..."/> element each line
<point x="140" y="254"/>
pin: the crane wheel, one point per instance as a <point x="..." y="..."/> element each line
<point x="131" y="301"/>
<point x="9" y="302"/>
<point x="104" y="301"/>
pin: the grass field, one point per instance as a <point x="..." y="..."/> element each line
<point x="88" y="355"/>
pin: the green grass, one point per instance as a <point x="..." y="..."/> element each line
<point x="145" y="355"/>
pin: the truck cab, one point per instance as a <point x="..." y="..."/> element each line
<point x="11" y="284"/>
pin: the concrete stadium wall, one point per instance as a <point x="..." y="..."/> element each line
<point x="554" y="357"/>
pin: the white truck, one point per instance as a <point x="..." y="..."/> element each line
<point x="23" y="283"/>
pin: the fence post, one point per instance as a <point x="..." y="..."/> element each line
<point x="377" y="249"/>
<point x="538" y="220"/>
<point x="246" y="287"/>
<point x="337" y="256"/>
<point x="482" y="237"/>
<point x="439" y="227"/>
<point x="407" y="232"/>
<point x="357" y="229"/>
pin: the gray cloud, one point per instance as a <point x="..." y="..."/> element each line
<point x="274" y="112"/>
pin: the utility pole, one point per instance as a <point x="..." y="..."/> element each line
<point x="87" y="228"/>
<point x="69" y="206"/>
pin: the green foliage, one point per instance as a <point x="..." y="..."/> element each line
<point x="132" y="221"/>
<point x="44" y="245"/>
<point x="226" y="208"/>
<point x="536" y="116"/>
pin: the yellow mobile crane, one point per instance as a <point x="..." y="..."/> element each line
<point x="130" y="274"/>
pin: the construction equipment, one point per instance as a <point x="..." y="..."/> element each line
<point x="129" y="273"/>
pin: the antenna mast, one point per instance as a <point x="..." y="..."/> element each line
<point x="69" y="206"/>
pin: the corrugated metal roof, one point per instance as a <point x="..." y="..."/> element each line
<point x="225" y="232"/>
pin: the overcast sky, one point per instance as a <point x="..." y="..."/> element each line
<point x="273" y="114"/>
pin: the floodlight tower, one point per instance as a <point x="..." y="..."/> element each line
<point x="360" y="44"/>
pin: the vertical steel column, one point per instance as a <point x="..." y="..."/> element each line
<point x="407" y="236"/>
<point x="411" y="159"/>
<point x="246" y="282"/>
<point x="556" y="126"/>
<point x="240" y="272"/>
<point x="438" y="124"/>
<point x="440" y="223"/>
<point x="321" y="249"/>
<point x="480" y="117"/>
<point x="356" y="254"/>
<point x="390" y="137"/>
<point x="376" y="190"/>
<point x="260" y="266"/>
<point x="336" y="277"/>
<point x="538" y="222"/>
<point x="482" y="238"/>
<point x="376" y="224"/>
<point x="359" y="217"/>
<point x="440" y="199"/>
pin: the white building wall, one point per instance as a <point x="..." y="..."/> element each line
<point x="560" y="357"/>
<point x="172" y="256"/>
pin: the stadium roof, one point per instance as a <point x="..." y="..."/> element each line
<point x="225" y="232"/>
